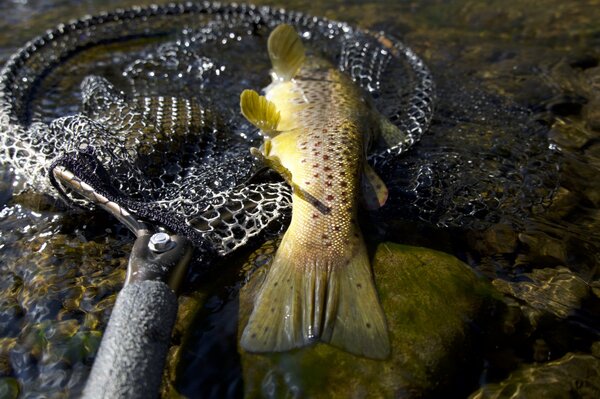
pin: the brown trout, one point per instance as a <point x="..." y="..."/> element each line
<point x="318" y="126"/>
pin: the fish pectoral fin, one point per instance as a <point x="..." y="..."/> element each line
<point x="259" y="111"/>
<point x="263" y="154"/>
<point x="374" y="190"/>
<point x="286" y="51"/>
<point x="390" y="135"/>
<point x="274" y="163"/>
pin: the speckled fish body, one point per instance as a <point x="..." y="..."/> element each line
<point x="320" y="285"/>
<point x="323" y="147"/>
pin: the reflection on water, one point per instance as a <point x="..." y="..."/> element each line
<point x="510" y="75"/>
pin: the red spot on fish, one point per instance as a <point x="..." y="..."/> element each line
<point x="315" y="165"/>
<point x="315" y="216"/>
<point x="307" y="183"/>
<point x="325" y="157"/>
<point x="330" y="197"/>
<point x="316" y="175"/>
<point x="327" y="169"/>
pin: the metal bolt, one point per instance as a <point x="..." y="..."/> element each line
<point x="160" y="242"/>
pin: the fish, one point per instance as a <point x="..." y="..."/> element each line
<point x="318" y="126"/>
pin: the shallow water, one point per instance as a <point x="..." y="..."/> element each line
<point x="519" y="94"/>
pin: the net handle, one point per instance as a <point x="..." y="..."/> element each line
<point x="130" y="361"/>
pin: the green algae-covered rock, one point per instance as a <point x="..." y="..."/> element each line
<point x="9" y="388"/>
<point x="430" y="299"/>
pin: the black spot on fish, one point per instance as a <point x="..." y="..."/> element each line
<point x="359" y="285"/>
<point x="368" y="325"/>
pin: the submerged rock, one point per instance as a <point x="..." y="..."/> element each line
<point x="9" y="388"/>
<point x="551" y="291"/>
<point x="572" y="376"/>
<point x="431" y="300"/>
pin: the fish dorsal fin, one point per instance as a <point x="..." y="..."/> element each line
<point x="259" y="111"/>
<point x="375" y="193"/>
<point x="286" y="51"/>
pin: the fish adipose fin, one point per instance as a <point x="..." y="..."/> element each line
<point x="286" y="51"/>
<point x="259" y="111"/>
<point x="374" y="190"/>
<point x="306" y="299"/>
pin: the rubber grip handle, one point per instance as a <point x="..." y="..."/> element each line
<point x="131" y="357"/>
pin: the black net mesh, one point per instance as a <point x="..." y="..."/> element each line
<point x="151" y="97"/>
<point x="142" y="105"/>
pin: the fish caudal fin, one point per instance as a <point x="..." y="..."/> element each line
<point x="286" y="51"/>
<point x="259" y="111"/>
<point x="304" y="299"/>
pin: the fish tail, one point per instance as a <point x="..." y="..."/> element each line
<point x="306" y="299"/>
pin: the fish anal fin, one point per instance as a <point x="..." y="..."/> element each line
<point x="286" y="51"/>
<point x="374" y="190"/>
<point x="308" y="297"/>
<point x="390" y="135"/>
<point x="259" y="111"/>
